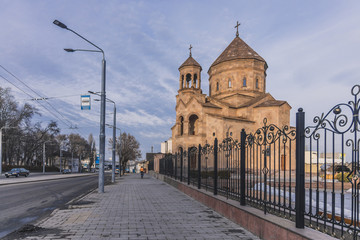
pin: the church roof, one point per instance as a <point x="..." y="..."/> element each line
<point x="271" y="103"/>
<point x="208" y="104"/>
<point x="252" y="102"/>
<point x="237" y="49"/>
<point x="190" y="62"/>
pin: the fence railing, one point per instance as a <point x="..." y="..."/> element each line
<point x="316" y="186"/>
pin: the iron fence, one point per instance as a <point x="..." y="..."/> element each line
<point x="310" y="175"/>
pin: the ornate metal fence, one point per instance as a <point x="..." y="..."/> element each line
<point x="270" y="166"/>
<point x="310" y="175"/>
<point x="332" y="191"/>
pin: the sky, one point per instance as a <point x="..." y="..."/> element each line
<point x="311" y="47"/>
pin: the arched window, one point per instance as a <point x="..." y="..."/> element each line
<point x="217" y="86"/>
<point x="182" y="81"/>
<point x="244" y="82"/>
<point x="193" y="125"/>
<point x="210" y="90"/>
<point x="195" y="80"/>
<point x="257" y="84"/>
<point x="181" y="130"/>
<point x="188" y="80"/>
<point x="229" y="83"/>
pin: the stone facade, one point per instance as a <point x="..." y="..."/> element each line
<point x="237" y="98"/>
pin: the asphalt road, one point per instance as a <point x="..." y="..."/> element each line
<point x="23" y="203"/>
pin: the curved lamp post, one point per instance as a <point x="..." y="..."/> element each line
<point x="102" y="108"/>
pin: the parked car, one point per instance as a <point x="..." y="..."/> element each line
<point x="341" y="168"/>
<point x="117" y="171"/>
<point x="66" y="171"/>
<point x="15" y="172"/>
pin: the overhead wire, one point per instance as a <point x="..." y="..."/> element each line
<point x="68" y="123"/>
<point x="36" y="94"/>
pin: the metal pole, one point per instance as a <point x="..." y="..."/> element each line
<point x="114" y="146"/>
<point x="188" y="167"/>
<point x="1" y="151"/>
<point x="102" y="108"/>
<point x="102" y="128"/>
<point x="300" y="169"/>
<point x="120" y="166"/>
<point x="44" y="158"/>
<point x="242" y="168"/>
<point x="60" y="157"/>
<point x="199" y="167"/>
<point x="181" y="165"/>
<point x="215" y="165"/>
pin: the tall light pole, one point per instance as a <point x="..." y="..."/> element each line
<point x="102" y="108"/>
<point x="61" y="144"/>
<point x="114" y="136"/>
<point x="1" y="147"/>
<point x="44" y="156"/>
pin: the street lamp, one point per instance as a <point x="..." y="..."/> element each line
<point x="102" y="107"/>
<point x="1" y="147"/>
<point x="112" y="126"/>
<point x="44" y="157"/>
<point x="114" y="136"/>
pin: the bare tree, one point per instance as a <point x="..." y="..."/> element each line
<point x="92" y="153"/>
<point x="128" y="148"/>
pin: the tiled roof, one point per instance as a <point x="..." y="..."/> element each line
<point x="241" y="119"/>
<point x="208" y="104"/>
<point x="237" y="49"/>
<point x="271" y="103"/>
<point x="251" y="102"/>
<point x="190" y="62"/>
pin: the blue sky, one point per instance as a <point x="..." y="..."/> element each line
<point x="311" y="47"/>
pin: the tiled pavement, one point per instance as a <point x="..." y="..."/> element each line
<point x="135" y="208"/>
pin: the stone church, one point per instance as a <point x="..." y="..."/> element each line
<point x="237" y="98"/>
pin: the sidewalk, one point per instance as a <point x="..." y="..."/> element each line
<point x="135" y="208"/>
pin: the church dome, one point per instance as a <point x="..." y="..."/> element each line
<point x="237" y="49"/>
<point x="190" y="62"/>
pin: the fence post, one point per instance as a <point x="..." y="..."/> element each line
<point x="199" y="167"/>
<point x="300" y="168"/>
<point x="176" y="157"/>
<point x="215" y="165"/>
<point x="242" y="167"/>
<point x="188" y="168"/>
<point x="181" y="165"/>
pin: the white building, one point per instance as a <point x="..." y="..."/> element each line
<point x="166" y="147"/>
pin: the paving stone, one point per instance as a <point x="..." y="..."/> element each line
<point x="135" y="208"/>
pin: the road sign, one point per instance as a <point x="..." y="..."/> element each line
<point x="85" y="102"/>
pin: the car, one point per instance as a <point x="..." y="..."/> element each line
<point x="341" y="168"/>
<point x="66" y="171"/>
<point x="117" y="171"/>
<point x="16" y="172"/>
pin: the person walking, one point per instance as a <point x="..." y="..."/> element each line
<point x="142" y="171"/>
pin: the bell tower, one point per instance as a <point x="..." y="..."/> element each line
<point x="190" y="75"/>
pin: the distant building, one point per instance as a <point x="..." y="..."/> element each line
<point x="166" y="147"/>
<point x="154" y="161"/>
<point x="315" y="162"/>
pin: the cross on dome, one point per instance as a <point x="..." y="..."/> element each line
<point x="237" y="28"/>
<point x="190" y="49"/>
